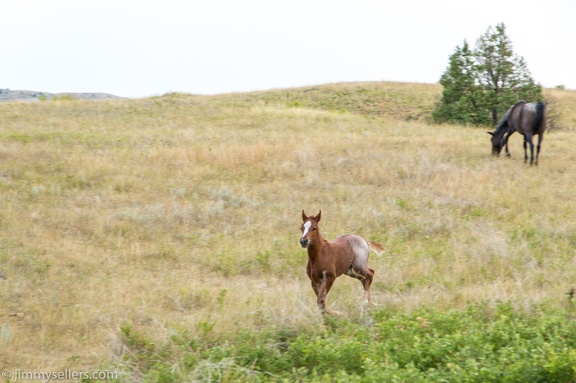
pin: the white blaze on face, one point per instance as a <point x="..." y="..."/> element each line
<point x="307" y="225"/>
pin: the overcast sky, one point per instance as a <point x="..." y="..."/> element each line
<point x="143" y="48"/>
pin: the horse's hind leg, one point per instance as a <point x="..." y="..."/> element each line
<point x="365" y="277"/>
<point x="538" y="147"/>
<point x="359" y="268"/>
<point x="366" y="283"/>
<point x="528" y="141"/>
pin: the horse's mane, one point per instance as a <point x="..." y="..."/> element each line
<point x="503" y="123"/>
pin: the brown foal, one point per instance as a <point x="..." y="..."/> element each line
<point x="327" y="260"/>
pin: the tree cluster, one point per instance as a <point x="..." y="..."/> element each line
<point x="480" y="84"/>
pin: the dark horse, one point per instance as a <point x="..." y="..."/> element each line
<point x="529" y="120"/>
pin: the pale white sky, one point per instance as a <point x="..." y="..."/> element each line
<point x="143" y="48"/>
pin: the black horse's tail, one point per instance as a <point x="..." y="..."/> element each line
<point x="539" y="118"/>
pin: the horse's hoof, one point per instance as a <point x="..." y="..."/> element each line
<point x="369" y="303"/>
<point x="331" y="312"/>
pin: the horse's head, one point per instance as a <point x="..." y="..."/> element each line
<point x="309" y="228"/>
<point x="497" y="143"/>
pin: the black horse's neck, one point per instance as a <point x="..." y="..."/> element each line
<point x="501" y="129"/>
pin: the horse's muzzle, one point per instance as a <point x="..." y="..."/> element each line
<point x="304" y="242"/>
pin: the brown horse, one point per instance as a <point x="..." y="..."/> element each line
<point x="529" y="120"/>
<point x="327" y="260"/>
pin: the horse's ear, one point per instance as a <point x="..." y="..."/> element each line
<point x="490" y="133"/>
<point x="319" y="216"/>
<point x="304" y="217"/>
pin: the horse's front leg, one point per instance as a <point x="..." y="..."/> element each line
<point x="324" y="289"/>
<point x="506" y="137"/>
<point x="314" y="283"/>
<point x="316" y="288"/>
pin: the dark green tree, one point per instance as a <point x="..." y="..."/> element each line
<point x="462" y="98"/>
<point x="480" y="85"/>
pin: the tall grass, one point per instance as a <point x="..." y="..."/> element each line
<point x="181" y="213"/>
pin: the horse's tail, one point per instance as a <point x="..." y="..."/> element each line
<point x="539" y="119"/>
<point x="376" y="247"/>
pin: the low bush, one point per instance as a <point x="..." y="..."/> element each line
<point x="481" y="343"/>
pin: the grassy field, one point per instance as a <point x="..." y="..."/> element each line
<point x="146" y="236"/>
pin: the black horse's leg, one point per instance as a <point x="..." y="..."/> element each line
<point x="528" y="140"/>
<point x="538" y="147"/>
<point x="525" y="149"/>
<point x="506" y="137"/>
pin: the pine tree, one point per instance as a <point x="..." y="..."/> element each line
<point x="462" y="98"/>
<point x="480" y="85"/>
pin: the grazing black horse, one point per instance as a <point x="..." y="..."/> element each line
<point x="529" y="120"/>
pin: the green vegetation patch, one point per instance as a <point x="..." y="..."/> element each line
<point x="482" y="343"/>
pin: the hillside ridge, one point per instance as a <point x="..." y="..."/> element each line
<point x="30" y="95"/>
<point x="399" y="100"/>
<point x="402" y="101"/>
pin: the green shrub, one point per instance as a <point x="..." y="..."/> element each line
<point x="482" y="343"/>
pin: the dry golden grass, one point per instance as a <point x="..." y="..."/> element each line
<point x="184" y="212"/>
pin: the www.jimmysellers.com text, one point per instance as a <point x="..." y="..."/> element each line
<point x="18" y="375"/>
